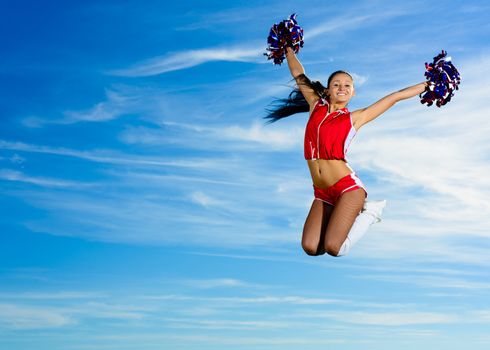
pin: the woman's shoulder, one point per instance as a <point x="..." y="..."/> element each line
<point x="318" y="104"/>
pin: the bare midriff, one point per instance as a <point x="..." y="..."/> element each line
<point x="326" y="172"/>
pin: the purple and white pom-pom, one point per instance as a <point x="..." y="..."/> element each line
<point x="442" y="79"/>
<point x="282" y="35"/>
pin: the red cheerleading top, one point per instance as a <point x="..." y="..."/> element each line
<point x="328" y="135"/>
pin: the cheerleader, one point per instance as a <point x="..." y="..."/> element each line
<point x="339" y="215"/>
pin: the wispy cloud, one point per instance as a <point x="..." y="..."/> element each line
<point x="336" y="24"/>
<point x="32" y="317"/>
<point x="221" y="340"/>
<point x="253" y="52"/>
<point x="17" y="176"/>
<point x="266" y="299"/>
<point x="190" y="58"/>
<point x="353" y="21"/>
<point x="150" y="177"/>
<point x="224" y="19"/>
<point x="102" y="220"/>
<point x="434" y="282"/>
<point x="205" y="200"/>
<point x="108" y="310"/>
<point x="66" y="295"/>
<point x="394" y="319"/>
<point x="70" y="312"/>
<point x="216" y="283"/>
<point x="118" y="103"/>
<point x="255" y="136"/>
<point x="228" y="324"/>
<point x="107" y="156"/>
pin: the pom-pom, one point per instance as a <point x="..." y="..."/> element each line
<point x="282" y="35"/>
<point x="442" y="79"/>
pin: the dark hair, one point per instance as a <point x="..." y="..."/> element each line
<point x="296" y="102"/>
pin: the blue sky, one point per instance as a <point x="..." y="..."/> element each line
<point x="146" y="205"/>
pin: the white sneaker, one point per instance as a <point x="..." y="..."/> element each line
<point x="375" y="208"/>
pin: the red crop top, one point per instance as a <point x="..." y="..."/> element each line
<point x="328" y="135"/>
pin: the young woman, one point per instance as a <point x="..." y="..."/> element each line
<point x="339" y="215"/>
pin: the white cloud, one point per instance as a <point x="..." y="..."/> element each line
<point x="257" y="135"/>
<point x="430" y="163"/>
<point x="67" y="295"/>
<point x="359" y="79"/>
<point x="110" y="156"/>
<point x="110" y="311"/>
<point x="17" y="176"/>
<point x="354" y="21"/>
<point x="116" y="105"/>
<point x="205" y="200"/>
<point x="206" y="338"/>
<point x="253" y="52"/>
<point x="34" y="121"/>
<point x="482" y="315"/>
<point x="391" y="319"/>
<point x="278" y="138"/>
<point x="71" y="311"/>
<point x="116" y="216"/>
<point x="32" y="317"/>
<point x="190" y="58"/>
<point x="216" y="283"/>
<point x="265" y="299"/>
<point x="118" y="102"/>
<point x="156" y="179"/>
<point x="228" y="324"/>
<point x="435" y="282"/>
<point x="337" y="24"/>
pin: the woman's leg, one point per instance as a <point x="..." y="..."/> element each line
<point x="316" y="223"/>
<point x="370" y="214"/>
<point x="345" y="212"/>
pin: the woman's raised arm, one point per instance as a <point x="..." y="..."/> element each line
<point x="365" y="115"/>
<point x="298" y="73"/>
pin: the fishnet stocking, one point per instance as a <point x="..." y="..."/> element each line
<point x="327" y="226"/>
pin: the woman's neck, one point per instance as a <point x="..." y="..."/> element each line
<point x="336" y="106"/>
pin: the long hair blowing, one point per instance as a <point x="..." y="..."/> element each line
<point x="296" y="102"/>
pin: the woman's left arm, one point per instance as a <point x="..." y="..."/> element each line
<point x="365" y="115"/>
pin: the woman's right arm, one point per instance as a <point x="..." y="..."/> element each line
<point x="298" y="73"/>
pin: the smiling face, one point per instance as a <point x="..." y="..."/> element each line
<point x="340" y="89"/>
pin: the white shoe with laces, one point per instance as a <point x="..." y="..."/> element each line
<point x="375" y="208"/>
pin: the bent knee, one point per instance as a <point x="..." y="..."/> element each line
<point x="310" y="249"/>
<point x="332" y="248"/>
